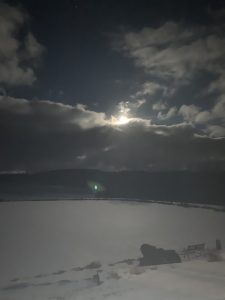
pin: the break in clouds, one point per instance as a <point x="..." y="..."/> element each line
<point x="176" y="132"/>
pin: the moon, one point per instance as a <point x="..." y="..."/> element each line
<point x="120" y="120"/>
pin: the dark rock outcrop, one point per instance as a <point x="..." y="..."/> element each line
<point x="157" y="256"/>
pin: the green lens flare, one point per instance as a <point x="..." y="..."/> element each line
<point x="96" y="187"/>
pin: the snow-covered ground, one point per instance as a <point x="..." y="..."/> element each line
<point x="43" y="244"/>
<point x="190" y="280"/>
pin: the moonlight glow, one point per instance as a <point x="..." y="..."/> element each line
<point x="121" y="120"/>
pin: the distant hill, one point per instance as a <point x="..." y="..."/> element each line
<point x="195" y="187"/>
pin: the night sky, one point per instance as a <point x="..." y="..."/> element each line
<point x="112" y="85"/>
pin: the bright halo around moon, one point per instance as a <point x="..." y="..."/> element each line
<point x="121" y="120"/>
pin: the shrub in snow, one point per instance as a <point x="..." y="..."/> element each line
<point x="214" y="256"/>
<point x="137" y="271"/>
<point x="114" y="275"/>
<point x="92" y="265"/>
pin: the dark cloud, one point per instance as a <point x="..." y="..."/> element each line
<point x="192" y="114"/>
<point x="174" y="51"/>
<point x="44" y="134"/>
<point x="39" y="135"/>
<point x="172" y="112"/>
<point x="19" y="52"/>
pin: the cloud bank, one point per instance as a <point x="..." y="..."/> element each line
<point x="37" y="135"/>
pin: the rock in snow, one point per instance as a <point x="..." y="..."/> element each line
<point x="157" y="256"/>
